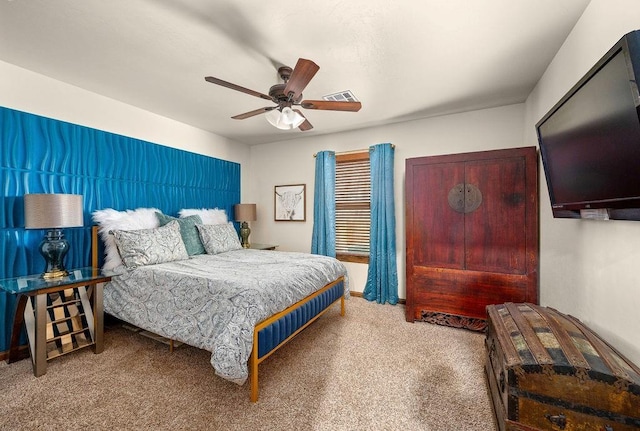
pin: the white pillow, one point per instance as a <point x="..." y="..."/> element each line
<point x="208" y="216"/>
<point x="109" y="219"/>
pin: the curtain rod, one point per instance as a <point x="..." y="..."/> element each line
<point x="353" y="151"/>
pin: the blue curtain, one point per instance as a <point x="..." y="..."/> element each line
<point x="382" y="276"/>
<point x="324" y="205"/>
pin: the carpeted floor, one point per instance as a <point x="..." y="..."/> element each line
<point x="369" y="370"/>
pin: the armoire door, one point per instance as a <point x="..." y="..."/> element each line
<point x="472" y="234"/>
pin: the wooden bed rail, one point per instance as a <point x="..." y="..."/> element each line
<point x="94" y="246"/>
<point x="254" y="360"/>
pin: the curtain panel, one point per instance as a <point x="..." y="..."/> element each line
<point x="323" y="240"/>
<point x="382" y="276"/>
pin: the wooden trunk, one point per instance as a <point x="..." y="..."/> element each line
<point x="547" y="371"/>
<point x="472" y="234"/>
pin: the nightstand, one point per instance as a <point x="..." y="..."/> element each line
<point x="58" y="315"/>
<point x="263" y="246"/>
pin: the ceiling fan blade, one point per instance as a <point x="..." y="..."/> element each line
<point x="253" y="113"/>
<point x="329" y="105"/>
<point x="306" y="125"/>
<point x="213" y="80"/>
<point x="300" y="77"/>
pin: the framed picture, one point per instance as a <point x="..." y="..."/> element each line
<point x="290" y="203"/>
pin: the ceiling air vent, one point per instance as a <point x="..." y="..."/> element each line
<point x="342" y="96"/>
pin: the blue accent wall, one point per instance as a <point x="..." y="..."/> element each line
<point x="42" y="155"/>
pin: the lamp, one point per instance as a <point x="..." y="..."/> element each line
<point x="285" y="118"/>
<point x="245" y="213"/>
<point x="53" y="212"/>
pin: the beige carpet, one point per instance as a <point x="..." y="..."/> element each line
<point x="369" y="370"/>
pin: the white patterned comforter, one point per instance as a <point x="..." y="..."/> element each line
<point x="213" y="302"/>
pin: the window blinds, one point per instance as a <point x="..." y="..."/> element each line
<point x="353" y="211"/>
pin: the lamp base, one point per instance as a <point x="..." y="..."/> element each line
<point x="54" y="248"/>
<point x="244" y="234"/>
<point x="55" y="274"/>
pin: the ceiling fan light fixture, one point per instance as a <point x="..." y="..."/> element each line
<point x="285" y="119"/>
<point x="292" y="117"/>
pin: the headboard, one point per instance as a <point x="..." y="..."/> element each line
<point x="43" y="155"/>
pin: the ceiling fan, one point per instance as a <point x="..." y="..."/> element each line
<point x="287" y="95"/>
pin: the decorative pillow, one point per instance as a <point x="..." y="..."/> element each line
<point x="208" y="216"/>
<point x="109" y="220"/>
<point x="150" y="246"/>
<point x="218" y="238"/>
<point x="188" y="231"/>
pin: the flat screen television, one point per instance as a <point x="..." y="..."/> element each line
<point x="590" y="140"/>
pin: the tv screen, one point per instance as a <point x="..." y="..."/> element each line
<point x="590" y="140"/>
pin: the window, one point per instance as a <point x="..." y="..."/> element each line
<point x="353" y="210"/>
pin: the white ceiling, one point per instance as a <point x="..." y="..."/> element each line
<point x="403" y="60"/>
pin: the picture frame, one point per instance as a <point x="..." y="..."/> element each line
<point x="290" y="202"/>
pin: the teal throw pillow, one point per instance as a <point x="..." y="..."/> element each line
<point x="188" y="231"/>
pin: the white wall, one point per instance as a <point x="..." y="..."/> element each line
<point x="27" y="91"/>
<point x="292" y="162"/>
<point x="589" y="268"/>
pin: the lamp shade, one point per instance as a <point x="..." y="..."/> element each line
<point x="52" y="211"/>
<point x="245" y="212"/>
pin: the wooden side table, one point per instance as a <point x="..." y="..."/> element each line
<point x="263" y="246"/>
<point x="58" y="315"/>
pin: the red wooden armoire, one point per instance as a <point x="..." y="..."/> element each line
<point x="472" y="234"/>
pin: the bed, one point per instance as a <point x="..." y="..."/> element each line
<point x="239" y="304"/>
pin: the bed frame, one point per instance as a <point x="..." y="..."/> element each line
<point x="272" y="333"/>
